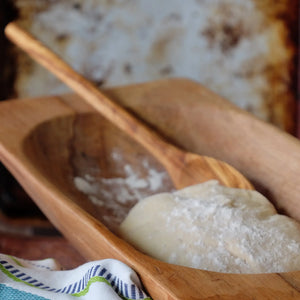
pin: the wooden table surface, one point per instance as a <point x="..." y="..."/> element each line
<point x="35" y="238"/>
<point x="39" y="247"/>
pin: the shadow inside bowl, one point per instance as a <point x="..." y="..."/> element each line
<point x="97" y="166"/>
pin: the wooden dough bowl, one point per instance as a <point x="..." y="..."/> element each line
<point x="46" y="142"/>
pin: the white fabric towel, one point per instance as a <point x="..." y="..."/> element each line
<point x="107" y="279"/>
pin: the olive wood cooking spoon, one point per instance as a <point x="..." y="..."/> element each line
<point x="183" y="167"/>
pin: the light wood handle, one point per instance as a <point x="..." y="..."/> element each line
<point x="90" y="93"/>
<point x="184" y="168"/>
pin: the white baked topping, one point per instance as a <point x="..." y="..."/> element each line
<point x="229" y="46"/>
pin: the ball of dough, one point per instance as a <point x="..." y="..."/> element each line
<point x="216" y="228"/>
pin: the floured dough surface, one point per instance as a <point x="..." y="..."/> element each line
<point x="211" y="227"/>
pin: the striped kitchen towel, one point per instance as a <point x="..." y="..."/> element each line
<point x="107" y="279"/>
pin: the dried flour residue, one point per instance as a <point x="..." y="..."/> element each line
<point x="117" y="195"/>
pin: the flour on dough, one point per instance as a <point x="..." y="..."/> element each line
<point x="216" y="228"/>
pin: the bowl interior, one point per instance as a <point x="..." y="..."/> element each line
<point x="96" y="165"/>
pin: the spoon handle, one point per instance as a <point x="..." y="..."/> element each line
<point x="90" y="93"/>
<point x="183" y="167"/>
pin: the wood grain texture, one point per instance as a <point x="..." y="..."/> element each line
<point x="183" y="167"/>
<point x="204" y="123"/>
